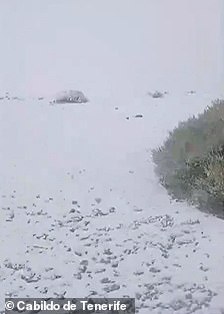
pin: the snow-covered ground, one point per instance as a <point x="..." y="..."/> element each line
<point x="82" y="213"/>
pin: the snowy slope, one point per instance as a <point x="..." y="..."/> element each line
<point x="77" y="187"/>
<point x="82" y="213"/>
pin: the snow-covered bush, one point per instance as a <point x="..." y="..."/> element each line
<point x="71" y="96"/>
<point x="190" y="163"/>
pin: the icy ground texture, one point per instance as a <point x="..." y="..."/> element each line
<point x="82" y="213"/>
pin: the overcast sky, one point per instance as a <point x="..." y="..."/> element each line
<point x="106" y="47"/>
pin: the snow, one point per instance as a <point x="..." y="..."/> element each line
<point x="82" y="212"/>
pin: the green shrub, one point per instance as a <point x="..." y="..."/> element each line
<point x="190" y="163"/>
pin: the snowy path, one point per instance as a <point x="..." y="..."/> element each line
<point x="82" y="213"/>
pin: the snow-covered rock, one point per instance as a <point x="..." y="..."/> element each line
<point x="157" y="94"/>
<point x="71" y="96"/>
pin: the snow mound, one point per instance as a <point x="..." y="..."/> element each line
<point x="71" y="96"/>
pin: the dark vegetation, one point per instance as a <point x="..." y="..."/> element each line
<point x="190" y="163"/>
